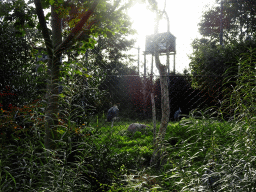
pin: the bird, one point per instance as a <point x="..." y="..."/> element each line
<point x="136" y="127"/>
<point x="112" y="114"/>
<point x="177" y="115"/>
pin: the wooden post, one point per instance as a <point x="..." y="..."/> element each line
<point x="152" y="65"/>
<point x="168" y="62"/>
<point x="139" y="60"/>
<point x="153" y="117"/>
<point x="174" y="62"/>
<point x="144" y="86"/>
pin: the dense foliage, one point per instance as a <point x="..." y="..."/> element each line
<point x="16" y="68"/>
<point x="198" y="153"/>
<point x="236" y="18"/>
<point x="215" y="67"/>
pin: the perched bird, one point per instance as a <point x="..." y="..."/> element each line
<point x="112" y="114"/>
<point x="177" y="115"/>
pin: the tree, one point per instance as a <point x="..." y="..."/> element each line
<point x="17" y="80"/>
<point x="237" y="20"/>
<point x="83" y="20"/>
<point x="155" y="160"/>
<point x="102" y="62"/>
<point x="54" y="50"/>
<point x="215" y="67"/>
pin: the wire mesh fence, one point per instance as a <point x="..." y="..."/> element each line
<point x="122" y="130"/>
<point x="205" y="115"/>
<point x="132" y="95"/>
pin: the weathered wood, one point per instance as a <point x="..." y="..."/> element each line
<point x="155" y="159"/>
<point x="153" y="116"/>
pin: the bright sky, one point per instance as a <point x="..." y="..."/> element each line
<point x="184" y="17"/>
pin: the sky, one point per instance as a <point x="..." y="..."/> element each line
<point x="184" y="16"/>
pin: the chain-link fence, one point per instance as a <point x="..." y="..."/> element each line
<point x="117" y="129"/>
<point x="132" y="95"/>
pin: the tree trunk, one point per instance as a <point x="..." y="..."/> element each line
<point x="154" y="117"/>
<point x="54" y="49"/>
<point x="164" y="100"/>
<point x="53" y="83"/>
<point x="156" y="157"/>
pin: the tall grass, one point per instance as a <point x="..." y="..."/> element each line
<point x="198" y="154"/>
<point x="222" y="157"/>
<point x="210" y="155"/>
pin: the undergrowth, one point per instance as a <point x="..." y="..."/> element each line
<point x="203" y="154"/>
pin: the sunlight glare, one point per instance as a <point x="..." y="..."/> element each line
<point x="143" y="21"/>
<point x="184" y="17"/>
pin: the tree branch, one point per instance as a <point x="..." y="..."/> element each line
<point x="41" y="17"/>
<point x="76" y="38"/>
<point x="83" y="31"/>
<point x="77" y="28"/>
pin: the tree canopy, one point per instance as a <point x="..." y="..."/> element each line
<point x="237" y="18"/>
<point x="215" y="66"/>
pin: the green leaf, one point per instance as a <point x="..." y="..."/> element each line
<point x="45" y="4"/>
<point x="78" y="72"/>
<point x="11" y="177"/>
<point x="51" y="2"/>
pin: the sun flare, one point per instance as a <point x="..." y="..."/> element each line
<point x="184" y="17"/>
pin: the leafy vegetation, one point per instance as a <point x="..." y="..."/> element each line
<point x="16" y="73"/>
<point x="101" y="158"/>
<point x="236" y="17"/>
<point x="201" y="152"/>
<point x="197" y="154"/>
<point x="215" y="66"/>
